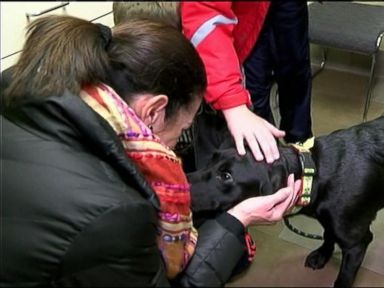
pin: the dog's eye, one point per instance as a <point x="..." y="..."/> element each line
<point x="225" y="176"/>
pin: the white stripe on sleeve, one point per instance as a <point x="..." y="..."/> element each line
<point x="207" y="27"/>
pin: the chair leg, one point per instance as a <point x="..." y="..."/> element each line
<point x="322" y="64"/>
<point x="369" y="89"/>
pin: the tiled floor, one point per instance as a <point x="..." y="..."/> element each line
<point x="338" y="101"/>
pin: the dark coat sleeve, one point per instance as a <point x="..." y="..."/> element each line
<point x="220" y="247"/>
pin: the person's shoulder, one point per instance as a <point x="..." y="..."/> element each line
<point x="6" y="77"/>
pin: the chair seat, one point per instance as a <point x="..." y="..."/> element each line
<point x="346" y="25"/>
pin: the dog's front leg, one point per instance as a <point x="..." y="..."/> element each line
<point x="351" y="261"/>
<point x="318" y="258"/>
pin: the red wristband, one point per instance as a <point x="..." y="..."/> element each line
<point x="251" y="246"/>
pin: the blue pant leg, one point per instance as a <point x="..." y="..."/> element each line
<point x="258" y="69"/>
<point x="292" y="68"/>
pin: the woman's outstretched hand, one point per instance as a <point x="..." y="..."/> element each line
<point x="267" y="209"/>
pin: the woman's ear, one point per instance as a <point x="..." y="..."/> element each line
<point x="151" y="109"/>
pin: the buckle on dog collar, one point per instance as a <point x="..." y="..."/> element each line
<point x="308" y="169"/>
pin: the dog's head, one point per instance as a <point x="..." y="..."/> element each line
<point x="230" y="178"/>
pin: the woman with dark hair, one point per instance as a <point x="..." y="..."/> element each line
<point x="93" y="194"/>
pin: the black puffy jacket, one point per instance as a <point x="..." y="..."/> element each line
<point x="76" y="212"/>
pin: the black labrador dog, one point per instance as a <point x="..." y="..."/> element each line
<point x="347" y="190"/>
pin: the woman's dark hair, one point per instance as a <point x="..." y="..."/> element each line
<point x="64" y="53"/>
<point x="152" y="57"/>
<point x="60" y="53"/>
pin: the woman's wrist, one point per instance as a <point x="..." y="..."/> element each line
<point x="240" y="215"/>
<point x="232" y="224"/>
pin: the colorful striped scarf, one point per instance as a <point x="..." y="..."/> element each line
<point x="160" y="167"/>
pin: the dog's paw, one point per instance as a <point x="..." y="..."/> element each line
<point x="316" y="260"/>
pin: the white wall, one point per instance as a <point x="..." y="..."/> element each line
<point x="14" y="20"/>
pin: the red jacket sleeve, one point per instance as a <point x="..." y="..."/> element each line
<point x="225" y="88"/>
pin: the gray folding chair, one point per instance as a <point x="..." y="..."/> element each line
<point x="355" y="27"/>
